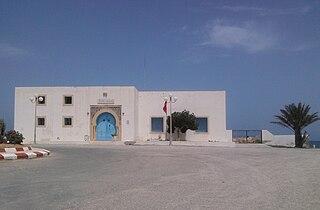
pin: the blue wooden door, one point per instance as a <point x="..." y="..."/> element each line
<point x="106" y="127"/>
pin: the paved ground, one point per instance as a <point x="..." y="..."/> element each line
<point x="163" y="177"/>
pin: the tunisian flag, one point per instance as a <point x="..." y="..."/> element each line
<point x="165" y="107"/>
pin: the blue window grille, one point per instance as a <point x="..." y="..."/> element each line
<point x="156" y="124"/>
<point x="202" y="124"/>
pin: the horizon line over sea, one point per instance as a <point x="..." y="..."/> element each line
<point x="315" y="142"/>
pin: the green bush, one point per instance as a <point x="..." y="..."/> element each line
<point x="2" y="129"/>
<point x="14" y="137"/>
<point x="181" y="122"/>
<point x="2" y="140"/>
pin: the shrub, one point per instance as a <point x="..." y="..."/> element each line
<point x="2" y="140"/>
<point x="2" y="129"/>
<point x="181" y="122"/>
<point x="14" y="137"/>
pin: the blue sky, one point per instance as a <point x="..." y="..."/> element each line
<point x="265" y="54"/>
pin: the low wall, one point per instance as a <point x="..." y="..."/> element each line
<point x="285" y="140"/>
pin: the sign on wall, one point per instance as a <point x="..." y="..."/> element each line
<point x="105" y="101"/>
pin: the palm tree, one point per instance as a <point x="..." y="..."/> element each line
<point x="296" y="118"/>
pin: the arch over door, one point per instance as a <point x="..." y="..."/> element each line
<point x="106" y="127"/>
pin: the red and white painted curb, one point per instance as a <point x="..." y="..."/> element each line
<point x="12" y="150"/>
<point x="22" y="153"/>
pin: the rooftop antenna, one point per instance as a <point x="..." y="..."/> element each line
<point x="144" y="72"/>
<point x="146" y="14"/>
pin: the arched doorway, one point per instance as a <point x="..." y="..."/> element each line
<point x="106" y="127"/>
<point x="100" y="112"/>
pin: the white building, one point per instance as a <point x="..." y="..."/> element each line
<point x="65" y="114"/>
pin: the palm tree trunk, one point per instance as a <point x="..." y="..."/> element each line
<point x="298" y="139"/>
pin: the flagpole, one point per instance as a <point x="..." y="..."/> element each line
<point x="166" y="131"/>
<point x="166" y="114"/>
<point x="171" y="100"/>
<point x="170" y="143"/>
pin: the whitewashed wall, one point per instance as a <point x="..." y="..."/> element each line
<point x="210" y="104"/>
<point x="285" y="140"/>
<point x="137" y="109"/>
<point x="54" y="110"/>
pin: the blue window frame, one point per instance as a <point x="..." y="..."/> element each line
<point x="156" y="124"/>
<point x="202" y="124"/>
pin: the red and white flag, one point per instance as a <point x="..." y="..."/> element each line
<point x="165" y="107"/>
